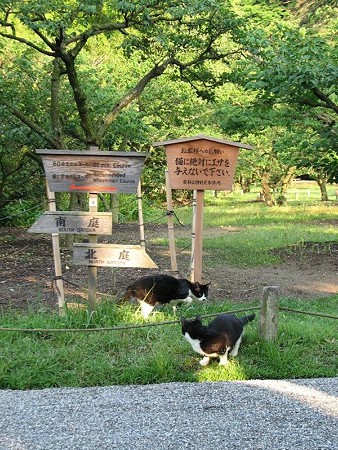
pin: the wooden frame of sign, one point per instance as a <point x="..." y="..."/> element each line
<point x="200" y="163"/>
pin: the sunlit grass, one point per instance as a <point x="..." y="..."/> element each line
<point x="254" y="247"/>
<point x="235" y="211"/>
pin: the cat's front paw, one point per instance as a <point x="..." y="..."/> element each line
<point x="223" y="360"/>
<point x="205" y="361"/>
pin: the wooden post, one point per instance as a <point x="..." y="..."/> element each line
<point x="170" y="219"/>
<point x="193" y="235"/>
<point x="268" y="319"/>
<point x="56" y="256"/>
<point x="198" y="241"/>
<point x="92" y="270"/>
<point x="140" y="215"/>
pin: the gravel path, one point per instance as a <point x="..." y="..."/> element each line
<point x="253" y="415"/>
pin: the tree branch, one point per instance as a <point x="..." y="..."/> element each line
<point x="133" y="93"/>
<point x="323" y="97"/>
<point x="29" y="123"/>
<point x="28" y="43"/>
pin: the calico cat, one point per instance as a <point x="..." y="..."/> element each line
<point x="218" y="339"/>
<point x="152" y="290"/>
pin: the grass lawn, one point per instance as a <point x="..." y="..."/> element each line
<point x="307" y="346"/>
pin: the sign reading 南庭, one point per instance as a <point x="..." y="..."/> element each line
<point x="73" y="222"/>
<point x="201" y="162"/>
<point x="92" y="171"/>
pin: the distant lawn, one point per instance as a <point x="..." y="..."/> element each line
<point x="259" y="230"/>
<point x="231" y="209"/>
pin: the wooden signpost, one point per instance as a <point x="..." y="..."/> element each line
<point x="92" y="172"/>
<point x="200" y="163"/>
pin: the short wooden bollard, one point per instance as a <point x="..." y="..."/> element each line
<point x="268" y="319"/>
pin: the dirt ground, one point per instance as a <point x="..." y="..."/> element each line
<point x="27" y="269"/>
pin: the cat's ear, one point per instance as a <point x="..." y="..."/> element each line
<point x="198" y="319"/>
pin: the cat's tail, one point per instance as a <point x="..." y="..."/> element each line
<point x="247" y="319"/>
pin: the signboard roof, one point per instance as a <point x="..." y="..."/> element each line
<point x="202" y="137"/>
<point x="45" y="151"/>
<point x="201" y="162"/>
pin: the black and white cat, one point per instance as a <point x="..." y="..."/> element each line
<point x="153" y="290"/>
<point x="218" y="339"/>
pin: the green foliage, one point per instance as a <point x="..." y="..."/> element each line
<point x="295" y="68"/>
<point x="21" y="213"/>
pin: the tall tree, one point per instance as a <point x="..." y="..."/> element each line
<point x="288" y="92"/>
<point x="78" y="67"/>
<point x="160" y="33"/>
<point x="297" y="66"/>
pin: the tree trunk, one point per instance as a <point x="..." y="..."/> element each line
<point x="287" y="179"/>
<point x="266" y="191"/>
<point x="114" y="201"/>
<point x="55" y="105"/>
<point x="321" y="181"/>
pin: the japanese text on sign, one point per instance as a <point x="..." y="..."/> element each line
<point x="201" y="166"/>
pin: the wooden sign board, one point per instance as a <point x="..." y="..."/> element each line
<point x="111" y="255"/>
<point x="92" y="171"/>
<point x="201" y="162"/>
<point x="73" y="222"/>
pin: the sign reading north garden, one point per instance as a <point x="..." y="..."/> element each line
<point x="92" y="171"/>
<point x="112" y="255"/>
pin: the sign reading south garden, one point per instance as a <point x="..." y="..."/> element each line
<point x="73" y="222"/>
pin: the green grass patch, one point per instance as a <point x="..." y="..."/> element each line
<point x="306" y="346"/>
